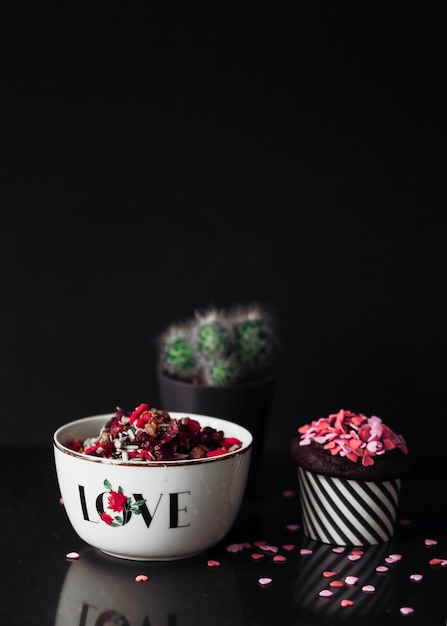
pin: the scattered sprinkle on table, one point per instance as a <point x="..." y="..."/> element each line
<point x="406" y="610"/>
<point x="431" y="542"/>
<point x="279" y="558"/>
<point x="381" y="569"/>
<point x="141" y="578"/>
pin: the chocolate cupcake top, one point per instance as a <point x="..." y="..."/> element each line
<point x="351" y="445"/>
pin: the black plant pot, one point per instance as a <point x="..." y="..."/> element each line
<point x="248" y="404"/>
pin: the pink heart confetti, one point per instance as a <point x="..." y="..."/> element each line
<point x="72" y="556"/>
<point x="351" y="580"/>
<point x="292" y="527"/>
<point x="381" y="569"/>
<point x="393" y="558"/>
<point x="416" y="577"/>
<point x="339" y="549"/>
<point x="346" y="602"/>
<point x="306" y="551"/>
<point x="141" y="578"/>
<point x="213" y="563"/>
<point x="288" y="493"/>
<point x="279" y="558"/>
<point x="267" y="548"/>
<point x="256" y="556"/>
<point x="435" y="561"/>
<point x="288" y="546"/>
<point x="234" y="547"/>
<point x="354" y="557"/>
<point x="336" y="583"/>
<point x="264" y="581"/>
<point x="431" y="542"/>
<point x="406" y="610"/>
<point x="368" y="588"/>
<point x="328" y="574"/>
<point x="325" y="593"/>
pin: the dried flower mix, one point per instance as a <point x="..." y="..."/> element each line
<point x="149" y="434"/>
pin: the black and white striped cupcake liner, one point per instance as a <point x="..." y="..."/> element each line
<point x="348" y="512"/>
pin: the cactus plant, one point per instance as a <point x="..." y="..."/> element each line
<point x="220" y="346"/>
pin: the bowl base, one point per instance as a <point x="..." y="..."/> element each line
<point x="142" y="558"/>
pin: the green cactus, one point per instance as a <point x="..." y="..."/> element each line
<point x="219" y="373"/>
<point x="255" y="337"/>
<point x="177" y="352"/>
<point x="221" y="347"/>
<point x="211" y="336"/>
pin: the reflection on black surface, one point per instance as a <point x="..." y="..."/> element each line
<point x="310" y="581"/>
<point x="101" y="591"/>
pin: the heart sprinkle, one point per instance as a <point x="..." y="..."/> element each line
<point x="235" y="547"/>
<point x="406" y="610"/>
<point x="288" y="493"/>
<point x="264" y="581"/>
<point x="351" y="580"/>
<point x="346" y="602"/>
<point x="368" y="588"/>
<point x="72" y="556"/>
<point x="416" y="577"/>
<point x="328" y="574"/>
<point x="213" y="563"/>
<point x="279" y="558"/>
<point x="431" y="542"/>
<point x="381" y="569"/>
<point x="141" y="578"/>
<point x="393" y="558"/>
<point x="325" y="593"/>
<point x="267" y="548"/>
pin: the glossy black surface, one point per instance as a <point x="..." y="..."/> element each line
<point x="40" y="586"/>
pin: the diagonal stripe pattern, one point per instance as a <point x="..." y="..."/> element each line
<point x="347" y="512"/>
<point x="309" y="582"/>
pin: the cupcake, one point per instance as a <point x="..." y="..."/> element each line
<point x="350" y="468"/>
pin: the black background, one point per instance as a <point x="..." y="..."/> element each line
<point x="157" y="158"/>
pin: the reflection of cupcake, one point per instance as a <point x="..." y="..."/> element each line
<point x="350" y="589"/>
<point x="349" y="471"/>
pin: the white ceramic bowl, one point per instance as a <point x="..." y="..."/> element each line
<point x="185" y="506"/>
